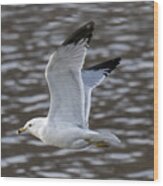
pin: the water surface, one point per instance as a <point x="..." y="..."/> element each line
<point x="123" y="104"/>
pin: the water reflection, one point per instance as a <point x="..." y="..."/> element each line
<point x="123" y="104"/>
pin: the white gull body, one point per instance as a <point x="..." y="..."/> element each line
<point x="70" y="88"/>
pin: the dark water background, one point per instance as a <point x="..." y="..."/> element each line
<point x="123" y="104"/>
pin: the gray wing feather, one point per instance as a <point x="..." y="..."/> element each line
<point x="63" y="74"/>
<point x="93" y="76"/>
<point x="64" y="79"/>
<point x="91" y="79"/>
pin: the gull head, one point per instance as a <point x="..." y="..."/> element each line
<point x="33" y="126"/>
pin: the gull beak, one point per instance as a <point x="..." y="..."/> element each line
<point x="23" y="129"/>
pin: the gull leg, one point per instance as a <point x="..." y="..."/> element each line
<point x="99" y="144"/>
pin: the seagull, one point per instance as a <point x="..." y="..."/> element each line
<point x="70" y="86"/>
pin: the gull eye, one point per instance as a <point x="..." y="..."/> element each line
<point x="30" y="125"/>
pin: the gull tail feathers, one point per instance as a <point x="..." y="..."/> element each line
<point x="111" y="139"/>
<point x="104" y="140"/>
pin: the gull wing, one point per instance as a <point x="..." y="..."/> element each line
<point x="64" y="79"/>
<point x="93" y="76"/>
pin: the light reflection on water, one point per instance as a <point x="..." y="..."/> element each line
<point x="122" y="104"/>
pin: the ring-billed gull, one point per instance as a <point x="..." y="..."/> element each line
<point x="70" y="87"/>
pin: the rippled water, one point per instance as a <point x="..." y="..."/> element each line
<point x="122" y="104"/>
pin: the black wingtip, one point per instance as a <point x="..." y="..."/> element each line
<point x="112" y="64"/>
<point x="84" y="33"/>
<point x="109" y="65"/>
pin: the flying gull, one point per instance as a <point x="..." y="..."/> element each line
<point x="70" y="87"/>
